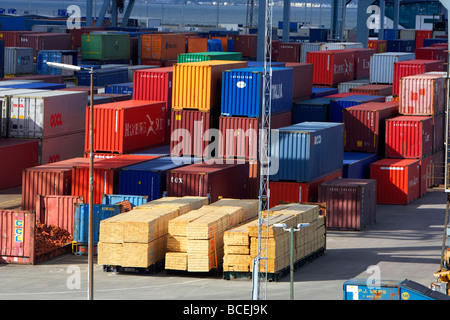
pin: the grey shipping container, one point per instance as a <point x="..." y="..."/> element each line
<point x="18" y="61"/>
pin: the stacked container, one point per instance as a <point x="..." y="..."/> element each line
<point x="105" y="46"/>
<point x="162" y="47"/>
<point x="18" y="61"/>
<point x="382" y="65"/>
<point x="362" y="62"/>
<point x="208" y="56"/>
<point x="378" y="45"/>
<point x="337" y="106"/>
<point x="289" y="52"/>
<point x="46" y="41"/>
<point x="332" y="66"/>
<point x="302" y="75"/>
<point x="431" y="53"/>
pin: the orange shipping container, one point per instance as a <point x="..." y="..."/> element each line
<point x="197" y="85"/>
<point x="162" y="46"/>
<point x="197" y="44"/>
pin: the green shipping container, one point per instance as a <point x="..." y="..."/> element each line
<point x="105" y="46"/>
<point x="207" y="56"/>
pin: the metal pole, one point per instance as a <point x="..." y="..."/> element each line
<point x="91" y="192"/>
<point x="292" y="262"/>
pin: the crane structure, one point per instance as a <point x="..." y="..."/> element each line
<point x="114" y="6"/>
<point x="260" y="263"/>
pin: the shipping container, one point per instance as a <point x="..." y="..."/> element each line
<point x="409" y="137"/>
<point x="105" y="175"/>
<point x="422" y="94"/>
<point x="318" y="92"/>
<point x="309" y="47"/>
<point x="46" y="41"/>
<point x="397" y="180"/>
<point x="196" y="44"/>
<point x="390" y="34"/>
<point x="239" y="137"/>
<point x="149" y="178"/>
<point x="357" y="165"/>
<point x="426" y="174"/>
<point x="122" y="198"/>
<point x="297" y="192"/>
<point x="302" y="75"/>
<point x="35" y="85"/>
<point x="16" y="155"/>
<point x="337" y="106"/>
<point x="120" y="88"/>
<point x="307" y="151"/>
<point x="78" y="32"/>
<point x="351" y="203"/>
<point x="61" y="147"/>
<point x="430" y="41"/>
<point x="413" y="67"/>
<point x="382" y="65"/>
<point x="208" y="56"/>
<point x="378" y="45"/>
<point x="212" y="180"/>
<point x="18" y="61"/>
<point x="242" y="91"/>
<point x="438" y="132"/>
<point x="48" y="78"/>
<point x="188" y="132"/>
<point x="132" y="69"/>
<point x="289" y="52"/>
<point x="162" y="46"/>
<point x="346" y="86"/>
<point x="365" y="126"/>
<point x="432" y="53"/>
<point x="246" y="44"/>
<point x="58" y="56"/>
<point x="19" y="242"/>
<point x="400" y="45"/>
<point x="421" y="35"/>
<point x="374" y="89"/>
<point x="46" y="114"/>
<point x="57" y="210"/>
<point x="126" y="126"/>
<point x="332" y="66"/>
<point x="260" y="64"/>
<point x="198" y="85"/>
<point x="103" y="77"/>
<point x="12" y="38"/>
<point x="81" y="220"/>
<point x="50" y="179"/>
<point x="316" y="110"/>
<point x="341" y="45"/>
<point x="362" y="62"/>
<point x="105" y="46"/>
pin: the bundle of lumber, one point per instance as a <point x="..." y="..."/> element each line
<point x="195" y="242"/>
<point x="138" y="238"/>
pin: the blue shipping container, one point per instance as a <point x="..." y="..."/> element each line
<point x="400" y="45"/>
<point x="311" y="110"/>
<point x="81" y="220"/>
<point x="337" y="105"/>
<point x="318" y="92"/>
<point x="242" y="91"/>
<point x="120" y="88"/>
<point x="59" y="56"/>
<point x="307" y="151"/>
<point x="103" y="77"/>
<point x="161" y="151"/>
<point x="318" y="35"/>
<point x="357" y="165"/>
<point x="429" y="42"/>
<point x="390" y="34"/>
<point x="135" y="201"/>
<point x="36" y="85"/>
<point x="149" y="178"/>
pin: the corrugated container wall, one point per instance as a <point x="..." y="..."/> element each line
<point x="18" y="61"/>
<point x="197" y="85"/>
<point x="357" y="165"/>
<point x="132" y="199"/>
<point x="374" y="89"/>
<point x="431" y="53"/>
<point x="46" y="41"/>
<point x="351" y="203"/>
<point x="341" y="45"/>
<point x="246" y="44"/>
<point x="400" y="45"/>
<point x="289" y="52"/>
<point x="208" y="56"/>
<point x="348" y="85"/>
<point x="421" y="35"/>
<point x="332" y="66"/>
<point x="242" y="91"/>
<point x="337" y="106"/>
<point x="162" y="46"/>
<point x="397" y="180"/>
<point x="309" y="47"/>
<point x="378" y="45"/>
<point x="382" y="65"/>
<point x="105" y="46"/>
<point x="304" y="151"/>
<point x="362" y="62"/>
<point x="302" y="75"/>
<point x="316" y="110"/>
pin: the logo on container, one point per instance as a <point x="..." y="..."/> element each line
<point x="74" y="20"/>
<point x="56" y="120"/>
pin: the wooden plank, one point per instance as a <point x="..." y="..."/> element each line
<point x="176" y="261"/>
<point x="177" y="243"/>
<point x="185" y="204"/>
<point x="109" y="253"/>
<point x="143" y="255"/>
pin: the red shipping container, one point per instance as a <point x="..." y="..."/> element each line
<point x="426" y="177"/>
<point x="431" y="53"/>
<point x="378" y="45"/>
<point x="275" y="49"/>
<point x="149" y="62"/>
<point x="295" y="192"/>
<point x="12" y="38"/>
<point x="213" y="180"/>
<point x="362" y="62"/>
<point x="50" y="179"/>
<point x="239" y="135"/>
<point x="46" y="41"/>
<point x="332" y="66"/>
<point x="409" y="137"/>
<point x="16" y="155"/>
<point x="373" y="89"/>
<point x="126" y="126"/>
<point x="57" y="210"/>
<point x="413" y="67"/>
<point x="365" y="126"/>
<point x="422" y="94"/>
<point x="397" y="180"/>
<point x="351" y="203"/>
<point x="188" y="128"/>
<point x="302" y="78"/>
<point x="289" y="52"/>
<point x="63" y="147"/>
<point x="421" y="35"/>
<point x="105" y="176"/>
<point x="246" y="44"/>
<point x="155" y="84"/>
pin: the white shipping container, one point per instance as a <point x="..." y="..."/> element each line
<point x="18" y="61"/>
<point x="342" y="45"/>
<point x="47" y="114"/>
<point x="308" y="47"/>
<point x="382" y="65"/>
<point x="407" y="34"/>
<point x="346" y="86"/>
<point x="5" y="95"/>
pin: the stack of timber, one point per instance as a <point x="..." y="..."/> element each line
<point x="241" y="243"/>
<point x="138" y="238"/>
<point x="196" y="243"/>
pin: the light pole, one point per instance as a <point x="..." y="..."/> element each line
<point x="291" y="230"/>
<point x="91" y="172"/>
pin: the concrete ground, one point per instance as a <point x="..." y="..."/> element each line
<point x="405" y="243"/>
